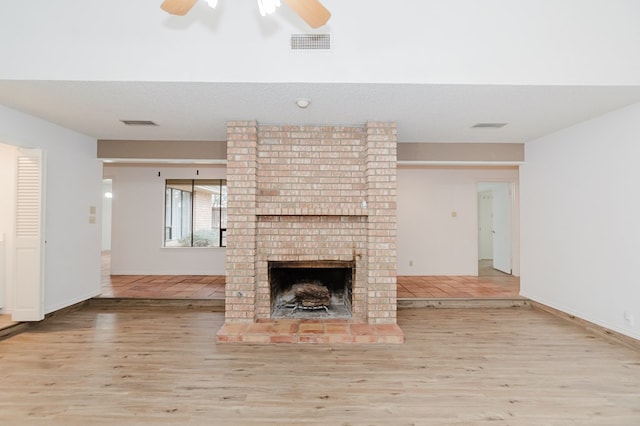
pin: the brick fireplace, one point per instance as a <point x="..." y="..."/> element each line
<point x="313" y="198"/>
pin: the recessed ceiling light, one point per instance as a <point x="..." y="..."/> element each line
<point x="303" y="103"/>
<point x="489" y="125"/>
<point x="138" y="123"/>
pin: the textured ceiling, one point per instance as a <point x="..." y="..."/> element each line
<point x="424" y="113"/>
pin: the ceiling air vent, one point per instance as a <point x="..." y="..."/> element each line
<point x="310" y="41"/>
<point x="138" y="123"/>
<point x="488" y="125"/>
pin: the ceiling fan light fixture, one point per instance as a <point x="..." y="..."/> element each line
<point x="311" y="11"/>
<point x="267" y="7"/>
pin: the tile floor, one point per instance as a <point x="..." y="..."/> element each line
<point x="164" y="286"/>
<point x="491" y="284"/>
<point x="470" y="287"/>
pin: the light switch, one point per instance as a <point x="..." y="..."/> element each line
<point x="92" y="209"/>
<point x="454" y="214"/>
<point x="92" y="219"/>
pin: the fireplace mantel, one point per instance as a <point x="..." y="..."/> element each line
<point x="310" y="212"/>
<point x="312" y="264"/>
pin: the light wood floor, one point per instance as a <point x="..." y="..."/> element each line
<point x="99" y="366"/>
<point x="6" y="321"/>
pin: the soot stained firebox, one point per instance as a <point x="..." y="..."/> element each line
<point x="311" y="289"/>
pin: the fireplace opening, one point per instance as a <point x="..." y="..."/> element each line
<point x="313" y="289"/>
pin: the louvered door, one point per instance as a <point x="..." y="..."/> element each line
<point x="29" y="289"/>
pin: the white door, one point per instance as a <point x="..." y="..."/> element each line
<point x="485" y="225"/>
<point x="29" y="233"/>
<point x="502" y="227"/>
<point x="3" y="270"/>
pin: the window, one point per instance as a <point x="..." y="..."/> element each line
<point x="195" y="213"/>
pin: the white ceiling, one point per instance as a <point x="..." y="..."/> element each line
<point x="423" y="112"/>
<point x="435" y="67"/>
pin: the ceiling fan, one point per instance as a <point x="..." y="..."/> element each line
<point x="311" y="11"/>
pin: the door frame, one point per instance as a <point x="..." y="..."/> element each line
<point x="483" y="184"/>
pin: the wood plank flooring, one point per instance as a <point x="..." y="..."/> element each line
<point x="6" y="321"/>
<point x="98" y="366"/>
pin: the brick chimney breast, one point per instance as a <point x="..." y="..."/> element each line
<point x="311" y="193"/>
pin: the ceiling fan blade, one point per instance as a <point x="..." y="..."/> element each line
<point x="177" y="7"/>
<point x="311" y="11"/>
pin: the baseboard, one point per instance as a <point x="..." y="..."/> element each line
<point x="76" y="301"/>
<point x="458" y="303"/>
<point x="14" y="329"/>
<point x="618" y="337"/>
<point x="210" y="305"/>
<point x="65" y="310"/>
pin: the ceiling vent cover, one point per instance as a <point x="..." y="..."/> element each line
<point x="138" y="123"/>
<point x="489" y="125"/>
<point x="310" y="41"/>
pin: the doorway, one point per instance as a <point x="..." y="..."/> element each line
<point x="21" y="232"/>
<point x="107" y="195"/>
<point x="494" y="228"/>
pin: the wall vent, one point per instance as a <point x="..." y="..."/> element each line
<point x="310" y="41"/>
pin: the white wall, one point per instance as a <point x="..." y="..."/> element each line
<point x="428" y="236"/>
<point x="137" y="229"/>
<point x="73" y="185"/>
<point x="432" y="41"/>
<point x="580" y="220"/>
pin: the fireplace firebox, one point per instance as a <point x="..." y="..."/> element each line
<point x="311" y="289"/>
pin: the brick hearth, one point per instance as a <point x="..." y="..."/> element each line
<point x="310" y="331"/>
<point x="304" y="194"/>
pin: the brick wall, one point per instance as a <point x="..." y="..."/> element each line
<point x="240" y="288"/>
<point x="311" y="193"/>
<point x="381" y="227"/>
<point x="310" y="170"/>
